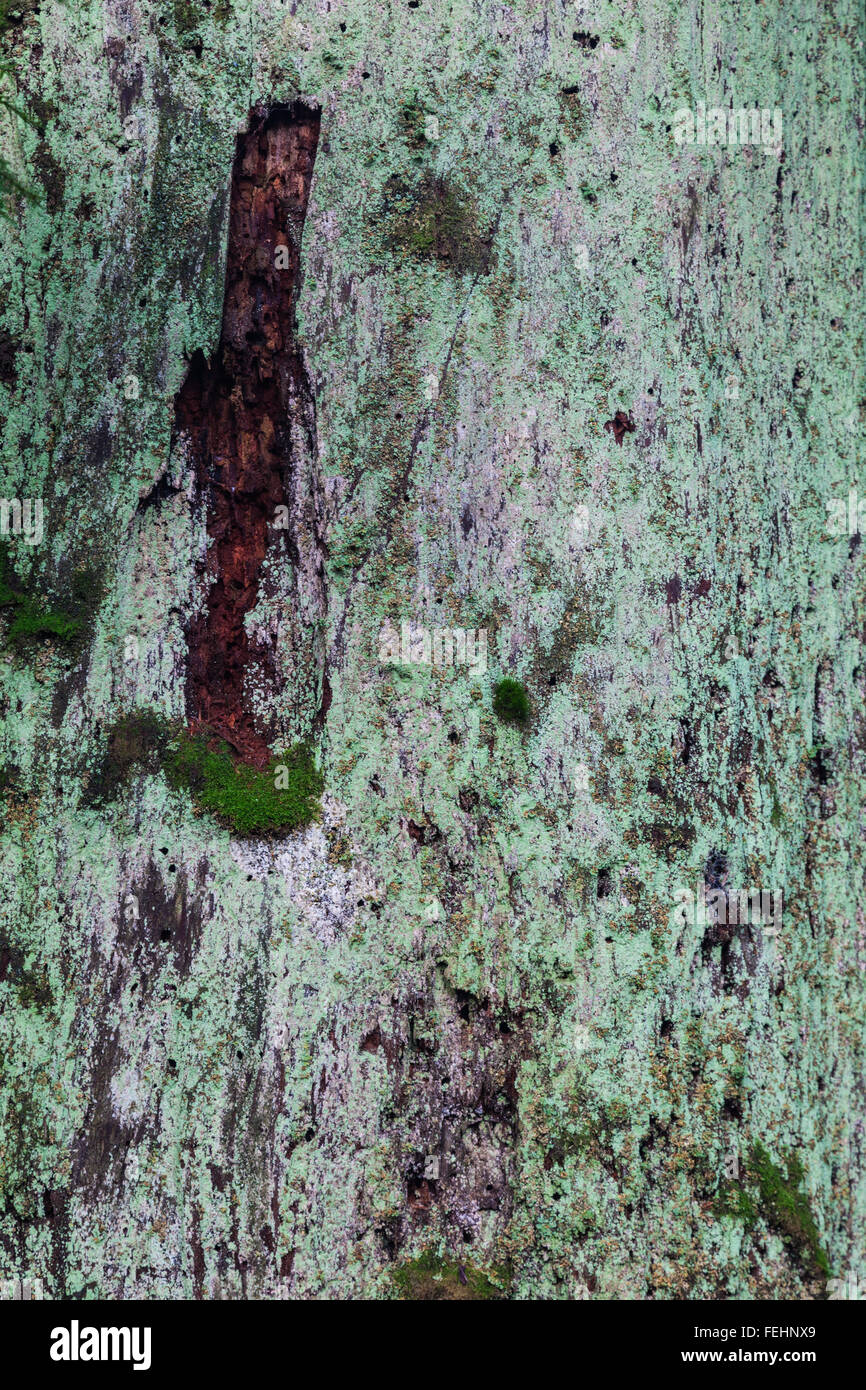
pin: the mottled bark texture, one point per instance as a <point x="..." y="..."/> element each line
<point x="535" y="368"/>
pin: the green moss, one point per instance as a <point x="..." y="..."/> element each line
<point x="34" y="990"/>
<point x="429" y="1278"/>
<point x="432" y="220"/>
<point x="787" y="1209"/>
<point x="30" y="982"/>
<point x="138" y="740"/>
<point x="511" y="701"/>
<point x="8" y="596"/>
<point x="32" y="620"/>
<point x="734" y="1201"/>
<point x="10" y="775"/>
<point x="249" y="800"/>
<point x="764" y="1191"/>
<point x="412" y="119"/>
<point x="188" y="15"/>
<point x="36" y="617"/>
<point x="13" y="12"/>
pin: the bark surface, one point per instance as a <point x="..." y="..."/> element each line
<point x="529" y="368"/>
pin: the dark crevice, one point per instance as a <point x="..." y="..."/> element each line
<point x="248" y="419"/>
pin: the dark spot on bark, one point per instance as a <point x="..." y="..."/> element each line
<point x="9" y="349"/>
<point x="716" y="869"/>
<point x="51" y="176"/>
<point x="621" y="425"/>
<point x="423" y="834"/>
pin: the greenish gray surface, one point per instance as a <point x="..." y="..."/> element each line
<point x="227" y="1064"/>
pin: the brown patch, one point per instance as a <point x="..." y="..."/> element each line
<point x="239" y="414"/>
<point x="674" y="590"/>
<point x="424" y="834"/>
<point x="621" y="425"/>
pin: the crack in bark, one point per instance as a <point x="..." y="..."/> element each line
<point x="249" y="421"/>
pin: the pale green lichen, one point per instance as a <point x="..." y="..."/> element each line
<point x="691" y="650"/>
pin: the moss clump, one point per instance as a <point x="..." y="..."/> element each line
<point x="511" y="701"/>
<point x="34" y="621"/>
<point x="433" y="221"/>
<point x="765" y="1192"/>
<point x="429" y="1278"/>
<point x="735" y="1202"/>
<point x="35" y="618"/>
<point x="249" y="800"/>
<point x="787" y="1209"/>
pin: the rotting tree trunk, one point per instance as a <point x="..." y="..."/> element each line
<point x="535" y="369"/>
